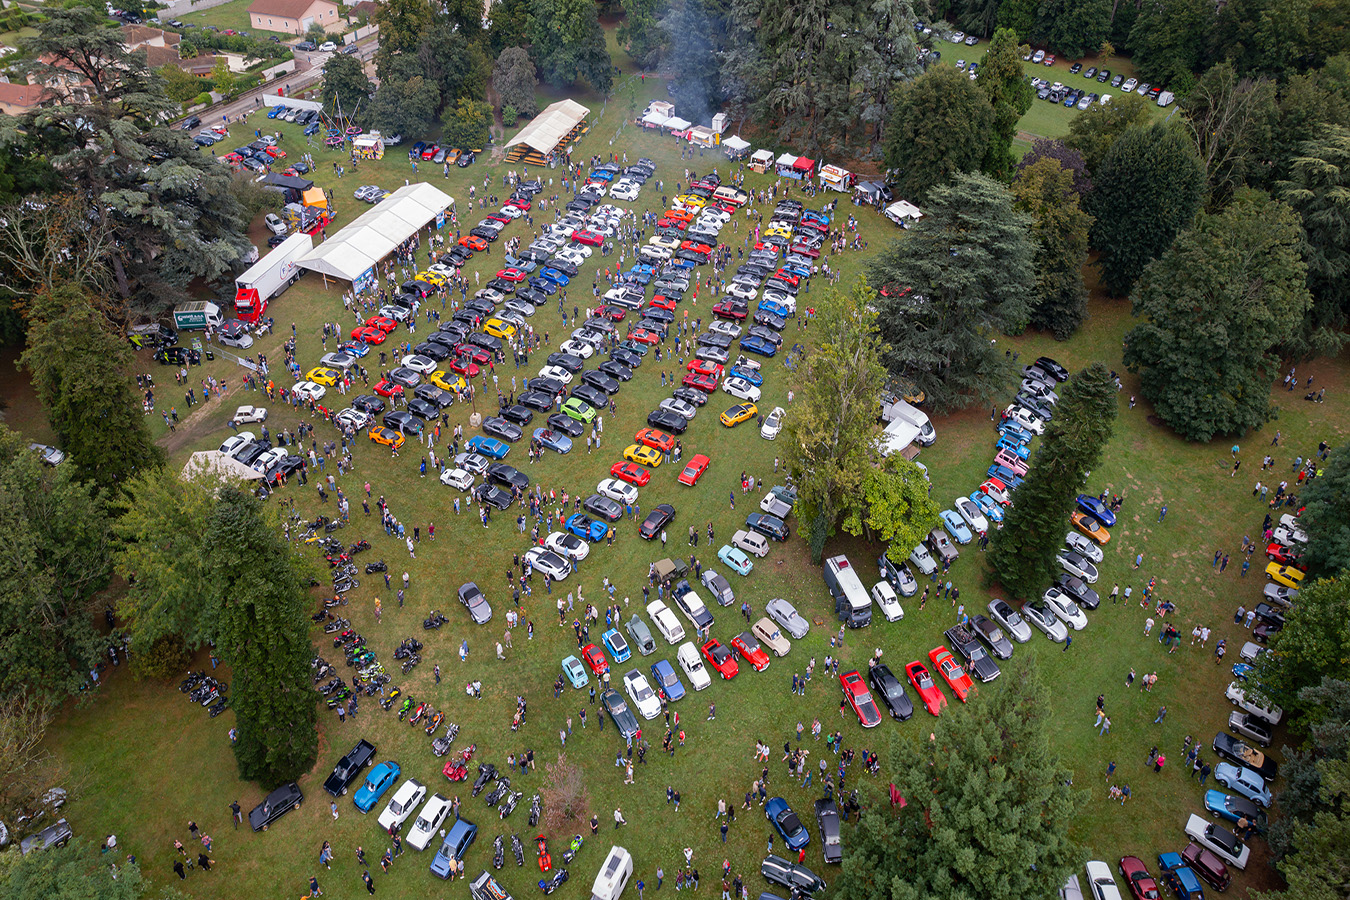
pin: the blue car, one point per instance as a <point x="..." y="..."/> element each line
<point x="798" y="269"/>
<point x="756" y="344"/>
<point x="354" y="348"/>
<point x="667" y="682"/>
<point x="583" y="526"/>
<point x="276" y="111"/>
<point x="457" y="841"/>
<point x="489" y="447"/>
<point x="575" y="672"/>
<point x="377" y="782"/>
<point x="735" y="559"/>
<point x="1097" y="509"/>
<point x="1243" y="780"/>
<point x="1242" y="670"/>
<point x="312" y="128"/>
<point x="551" y="274"/>
<point x="1005" y="475"/>
<point x="786" y="823"/>
<point x="777" y="309"/>
<point x="1021" y="451"/>
<point x="642" y="278"/>
<point x="956" y="526"/>
<point x="1226" y="806"/>
<point x="1010" y="429"/>
<point x="553" y="440"/>
<point x="1180" y="878"/>
<point x="684" y="263"/>
<point x="988" y="505"/>
<point x="616" y="645"/>
<point x="544" y="285"/>
<point x="750" y="375"/>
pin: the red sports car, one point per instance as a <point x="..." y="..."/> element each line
<point x="595" y="659"/>
<point x="643" y="336"/>
<point x="657" y="440"/>
<point x="694" y="471"/>
<point x="1137" y="879"/>
<point x="590" y="238"/>
<point x="498" y="217"/>
<point x="383" y="323"/>
<point x="728" y="310"/>
<point x="858" y="697"/>
<point x="615" y="313"/>
<point x="705" y="383"/>
<point x="751" y="651"/>
<point x="667" y="222"/>
<point x="661" y="301"/>
<point x="518" y="203"/>
<point x="951" y="672"/>
<point x="632" y="473"/>
<point x="512" y="274"/>
<point x="926" y="687"/>
<point x="387" y="388"/>
<point x="790" y="277"/>
<point x="473" y="242"/>
<point x="368" y="334"/>
<point x="705" y="367"/>
<point x="1284" y="556"/>
<point x="429" y="151"/>
<point x="473" y="352"/>
<point x="720" y="658"/>
<point x="465" y="366"/>
<point x="696" y="246"/>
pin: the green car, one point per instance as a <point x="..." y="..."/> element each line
<point x="580" y="410"/>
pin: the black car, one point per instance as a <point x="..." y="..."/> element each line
<point x="474" y="601"/>
<point x="600" y="381"/>
<point x="1078" y="590"/>
<point x="827" y="818"/>
<point x="487" y="234"/>
<point x="1053" y="368"/>
<point x="347" y="768"/>
<point x="434" y="349"/>
<point x="486" y="341"/>
<point x="369" y="403"/>
<point x="595" y="397"/>
<point x="769" y="320"/>
<point x="797" y="879"/>
<point x="449" y="333"/>
<point x="989" y="632"/>
<point x="549" y="386"/>
<point x="492" y="495"/>
<point x="499" y="427"/>
<point x="284" y="469"/>
<point x="603" y="507"/>
<point x="466" y="159"/>
<point x="518" y="414"/>
<point x="536" y="400"/>
<point x="625" y="357"/>
<point x="892" y="693"/>
<point x="666" y="420"/>
<point x="573" y="364"/>
<point x="402" y="421"/>
<point x="692" y="396"/>
<point x="1235" y="751"/>
<point x="767" y="525"/>
<point x="656" y="520"/>
<point x="768" y="334"/>
<point x="430" y="396"/>
<point x="424" y="409"/>
<point x="275" y="805"/>
<point x="250" y="453"/>
<point x="714" y="339"/>
<point x="617" y="370"/>
<point x="508" y="476"/>
<point x="566" y="424"/>
<point x="619" y="713"/>
<point x="177" y="356"/>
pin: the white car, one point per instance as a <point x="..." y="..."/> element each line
<point x="684" y="410"/>
<point x="1083" y="546"/>
<point x="740" y="388"/>
<point x="354" y="418"/>
<point x="971" y="513"/>
<point x="666" y="621"/>
<point x="397" y="313"/>
<point x="577" y="253"/>
<point x="405" y="800"/>
<point x="782" y="298"/>
<point x="653" y="252"/>
<point x="1129" y="85"/>
<point x="246" y="414"/>
<point x="1218" y="839"/>
<point x="743" y="291"/>
<point x="557" y="373"/>
<point x="624" y="190"/>
<point x="327" y="47"/>
<point x="309" y="390"/>
<point x="1064" y="607"/>
<point x="422" y="365"/>
<point x="773" y="424"/>
<point x="578" y="348"/>
<point x="511" y="212"/>
<point x="1002" y="612"/>
<point x="428" y="822"/>
<point x="883" y="595"/>
<point x="1253" y="704"/>
<point x="552" y="564"/>
<point x="1025" y="419"/>
<point x="458" y="479"/>
<point x="688" y="659"/>
<point x="923" y="560"/>
<point x="565" y="544"/>
<point x="236" y="442"/>
<point x="1296" y="532"/>
<point x="618" y="490"/>
<point x="751" y="542"/>
<point x="640" y="692"/>
<point x="1076" y="565"/>
<point x="1100" y="881"/>
<point x="275" y="224"/>
<point x="269" y="458"/>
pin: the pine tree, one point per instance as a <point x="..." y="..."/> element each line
<point x="1022" y="554"/>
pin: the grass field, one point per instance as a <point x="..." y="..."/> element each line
<point x="235" y="15"/>
<point x="148" y="761"/>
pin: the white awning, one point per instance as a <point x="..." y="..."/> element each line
<point x="787" y="159"/>
<point x="735" y="144"/>
<point x="762" y="156"/>
<point x="655" y="118"/>
<point x="675" y="123"/>
<point x="377" y="232"/>
<point x="548" y="128"/>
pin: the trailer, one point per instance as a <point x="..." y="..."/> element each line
<point x="269" y="276"/>
<point x="852" y="603"/>
<point x="837" y="178"/>
<point x="197" y="314"/>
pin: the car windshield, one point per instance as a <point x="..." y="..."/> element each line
<point x="925" y="680"/>
<point x="617" y="706"/>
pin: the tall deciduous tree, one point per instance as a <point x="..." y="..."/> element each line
<point x="568" y="45"/>
<point x="81" y="371"/>
<point x="1326" y="515"/>
<point x="1213" y="309"/>
<point x="1022" y="553"/>
<point x="1066" y="157"/>
<point x="832" y="429"/>
<point x="1045" y="190"/>
<point x="405" y="103"/>
<point x="513" y="80"/>
<point x="466" y="125"/>
<point x="900" y="508"/>
<point x="74" y="870"/>
<point x="1095" y="130"/>
<point x="403" y="26"/>
<point x="989" y="763"/>
<point x="1149" y="188"/>
<point x="1168" y="40"/>
<point x="256" y="580"/>
<point x="1231" y="121"/>
<point x="954" y="280"/>
<point x="1004" y="82"/>
<point x="457" y="66"/>
<point x="640" y="33"/>
<point x="939" y="127"/>
<point x="346" y="89"/>
<point x="1314" y="644"/>
<point x="1073" y="28"/>
<point x="1020" y="16"/>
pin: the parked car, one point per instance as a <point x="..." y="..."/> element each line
<point x="274" y="806"/>
<point x="347" y="768"/>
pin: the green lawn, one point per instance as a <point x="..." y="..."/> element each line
<point x="231" y="15"/>
<point x="148" y="761"/>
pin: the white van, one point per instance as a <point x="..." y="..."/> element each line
<point x="614" y="874"/>
<point x="916" y="417"/>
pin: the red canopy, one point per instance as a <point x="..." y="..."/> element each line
<point x="805" y="165"/>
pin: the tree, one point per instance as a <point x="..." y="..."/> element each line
<point x="565" y="798"/>
<point x="466" y="124"/>
<point x="1231" y="121"/>
<point x="568" y="44"/>
<point x="74" y="870"/>
<point x="900" y="509"/>
<point x="56" y="557"/>
<point x="1005" y="83"/>
<point x="404" y="24"/>
<point x="1316" y="188"/>
<point x="513" y="80"/>
<point x="1073" y="28"/>
<point x="960" y="275"/>
<point x="1213" y="309"/>
<point x="405" y="106"/>
<point x="978" y="16"/>
<point x="1019" y="16"/>
<point x="833" y="429"/>
<point x="81" y="369"/>
<point x="1045" y="190"/>
<point x="640" y="33"/>
<point x="1022" y="553"/>
<point x="988" y="763"/>
<point x="1313" y="645"/>
<point x="1168" y="40"/>
<point x="1262" y="37"/>
<point x="511" y="24"/>
<point x="345" y="85"/>
<point x="53" y="243"/>
<point x="1095" y="130"/>
<point x="1326" y="515"/>
<point x="256" y="580"/>
<point x="458" y="67"/>
<point x="1149" y="188"/>
<point x="180" y="85"/>
<point x="938" y="128"/>
<point x="223" y="77"/>
<point x="881" y="39"/>
<point x="23" y="758"/>
<point x="1067" y="158"/>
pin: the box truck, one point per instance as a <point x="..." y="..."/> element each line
<point x="851" y="601"/>
<point x="200" y="314"/>
<point x="269" y="276"/>
<point x="900" y="411"/>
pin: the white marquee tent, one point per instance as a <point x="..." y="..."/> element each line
<point x="548" y="129"/>
<point x="377" y="232"/>
<point x="212" y="465"/>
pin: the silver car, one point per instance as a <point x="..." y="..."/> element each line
<point x="923" y="560"/>
<point x="1003" y="613"/>
<point x="1045" y="619"/>
<point x="787" y="617"/>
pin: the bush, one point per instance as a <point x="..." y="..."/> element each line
<point x="509" y="116"/>
<point x="165" y="658"/>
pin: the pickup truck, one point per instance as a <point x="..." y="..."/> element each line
<point x="347" y="768"/>
<point x="981" y="664"/>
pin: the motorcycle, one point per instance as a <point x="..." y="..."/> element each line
<point x="321" y="615"/>
<point x="498" y="853"/>
<point x="510" y="805"/>
<point x="518" y="850"/>
<point x="194" y="679"/>
<point x="394" y="694"/>
<point x="358" y="547"/>
<point x="486" y="772"/>
<point x="405" y="709"/>
<point x="571" y="852"/>
<point x="457" y="768"/>
<point x="372" y="568"/>
<point x="498" y="793"/>
<point x="435" y="722"/>
<point x="335" y="626"/>
<point x="343" y="585"/>
<point x="553" y="883"/>
<point x="541" y="849"/>
<point x="418" y="713"/>
<point x="411" y="663"/>
<point x="435" y="620"/>
<point x="534" y="811"/>
<point x="346" y="636"/>
<point x="219" y="707"/>
<point x="407" y="647"/>
<point x="336" y="601"/>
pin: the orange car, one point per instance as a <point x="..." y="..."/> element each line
<point x="657" y="440"/>
<point x="951" y="672"/>
<point x="1091" y="527"/>
<point x="387" y="436"/>
<point x="473" y="242"/>
<point x="683" y="215"/>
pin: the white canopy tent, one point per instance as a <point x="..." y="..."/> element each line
<point x="734" y="146"/>
<point x="375" y="234"/>
<point x="212" y="465"/>
<point x="655" y="119"/>
<point x="548" y="129"/>
<point x="675" y="123"/>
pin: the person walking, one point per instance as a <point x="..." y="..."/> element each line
<point x="618" y="818"/>
<point x="1106" y="726"/>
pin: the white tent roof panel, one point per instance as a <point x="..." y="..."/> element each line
<point x="550" y="126"/>
<point x="735" y="143"/>
<point x="375" y="234"/>
<point x="677" y="124"/>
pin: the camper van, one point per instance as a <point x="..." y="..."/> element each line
<point x="851" y="601"/>
<point x="614" y="874"/>
<point x="902" y="411"/>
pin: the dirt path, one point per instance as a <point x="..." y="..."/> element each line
<point x="191" y="429"/>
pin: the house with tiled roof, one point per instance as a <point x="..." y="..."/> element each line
<point x="293" y="16"/>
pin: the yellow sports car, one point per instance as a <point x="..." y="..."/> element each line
<point x="689" y="201"/>
<point x="323" y="375"/>
<point x="446" y="381"/>
<point x="642" y="455"/>
<point x="778" y="231"/>
<point x="665" y="241"/>
<point x="1285" y="575"/>
<point x="431" y="278"/>
<point x="499" y="329"/>
<point x="387" y="436"/>
<point x="739" y="413"/>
